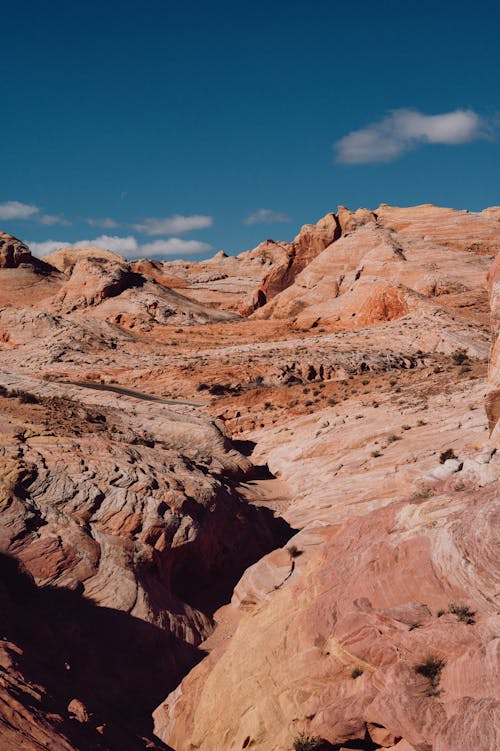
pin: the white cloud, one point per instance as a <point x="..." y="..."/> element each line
<point x="17" y="210"/>
<point x="126" y="246"/>
<point x="267" y="216"/>
<point x="174" y="246"/>
<point x="106" y="223"/>
<point x="50" y="219"/>
<point x="44" y="248"/>
<point x="402" y="130"/>
<point x="176" y="223"/>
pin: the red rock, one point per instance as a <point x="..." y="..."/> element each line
<point x="78" y="711"/>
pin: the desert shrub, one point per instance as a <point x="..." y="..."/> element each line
<point x="304" y="742"/>
<point x="356" y="672"/>
<point x="431" y="667"/>
<point x="25" y="397"/>
<point x="445" y="455"/>
<point x="463" y="613"/>
<point x="375" y="454"/>
<point x="459" y="356"/>
<point x="422" y="494"/>
<point x="393" y="437"/>
<point x="294" y="551"/>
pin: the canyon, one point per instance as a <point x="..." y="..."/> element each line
<point x="253" y="501"/>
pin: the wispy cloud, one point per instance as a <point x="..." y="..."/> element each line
<point x="176" y="224"/>
<point x="50" y="219"/>
<point x="127" y="246"/>
<point x="106" y="222"/>
<point x="16" y="210"/>
<point x="267" y="216"/>
<point x="404" y="129"/>
<point x="173" y="246"/>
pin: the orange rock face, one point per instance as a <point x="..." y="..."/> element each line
<point x="493" y="398"/>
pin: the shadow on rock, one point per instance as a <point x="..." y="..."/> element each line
<point x="117" y="666"/>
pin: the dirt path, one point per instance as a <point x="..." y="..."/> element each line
<point x="130" y="392"/>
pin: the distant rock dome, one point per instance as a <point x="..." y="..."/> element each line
<point x="65" y="259"/>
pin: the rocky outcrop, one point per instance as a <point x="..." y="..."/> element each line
<point x="493" y="398"/>
<point x="125" y="512"/>
<point x="309" y="243"/>
<point x="131" y="538"/>
<point x="383" y="258"/>
<point x="343" y="641"/>
<point x="337" y="647"/>
<point x="54" y="645"/>
<point x="339" y="654"/>
<point x="223" y="282"/>
<point x="64" y="259"/>
<point x="13" y="252"/>
<point x="94" y="280"/>
<point x="97" y="284"/>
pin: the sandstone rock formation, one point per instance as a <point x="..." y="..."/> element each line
<point x="309" y="243"/>
<point x="64" y="259"/>
<point x="437" y="253"/>
<point x="12" y="252"/>
<point x="85" y="280"/>
<point x="132" y="395"/>
<point x="493" y="399"/>
<point x="126" y="514"/>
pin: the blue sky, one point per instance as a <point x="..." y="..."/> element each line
<point x="219" y="123"/>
